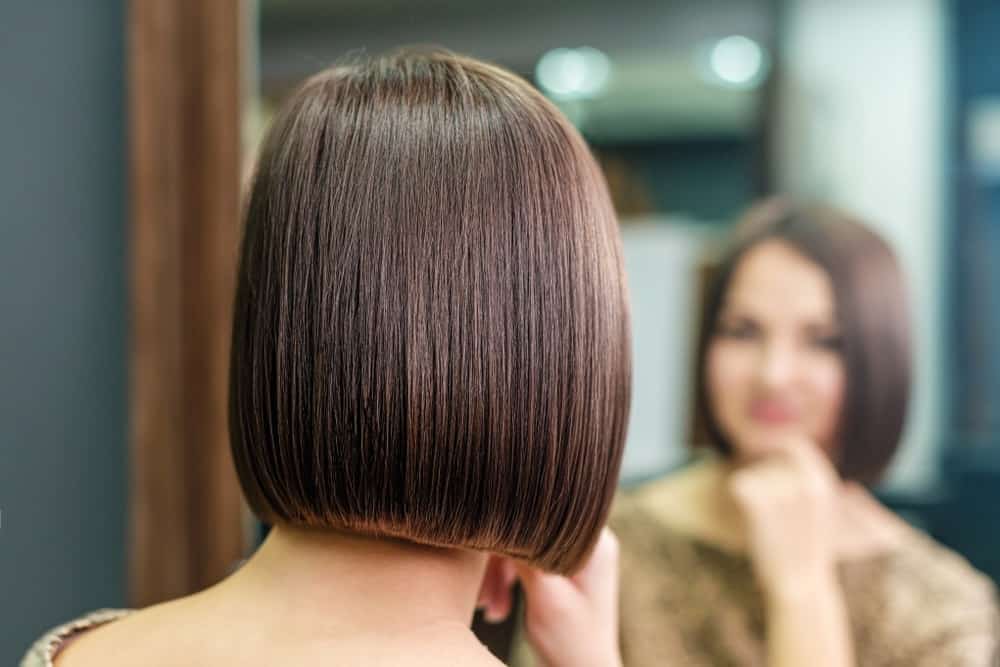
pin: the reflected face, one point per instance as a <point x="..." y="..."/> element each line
<point x="774" y="367"/>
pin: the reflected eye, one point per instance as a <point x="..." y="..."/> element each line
<point x="740" y="330"/>
<point x="833" y="343"/>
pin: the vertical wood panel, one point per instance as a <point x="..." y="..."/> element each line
<point x="185" y="106"/>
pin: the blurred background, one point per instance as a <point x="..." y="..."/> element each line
<point x="126" y="129"/>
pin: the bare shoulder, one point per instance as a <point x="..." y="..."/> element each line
<point x="150" y="636"/>
<point x="469" y="655"/>
<point x="203" y="630"/>
<point x="420" y="646"/>
<point x="437" y="644"/>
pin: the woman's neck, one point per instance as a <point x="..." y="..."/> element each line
<point x="329" y="584"/>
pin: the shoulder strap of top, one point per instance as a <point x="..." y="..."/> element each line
<point x="43" y="652"/>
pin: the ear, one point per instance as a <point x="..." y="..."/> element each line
<point x="495" y="595"/>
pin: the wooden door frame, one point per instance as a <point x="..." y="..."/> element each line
<point x="185" y="98"/>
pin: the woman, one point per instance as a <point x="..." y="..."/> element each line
<point x="773" y="552"/>
<point x="429" y="268"/>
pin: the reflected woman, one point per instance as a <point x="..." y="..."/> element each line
<point x="772" y="551"/>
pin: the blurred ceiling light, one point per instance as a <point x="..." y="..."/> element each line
<point x="738" y="61"/>
<point x="573" y="73"/>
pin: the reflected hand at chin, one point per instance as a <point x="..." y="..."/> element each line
<point x="787" y="499"/>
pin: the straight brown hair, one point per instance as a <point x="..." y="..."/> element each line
<point x="431" y="334"/>
<point x="871" y="306"/>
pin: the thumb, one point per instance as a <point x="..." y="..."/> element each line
<point x="597" y="580"/>
<point x="548" y="597"/>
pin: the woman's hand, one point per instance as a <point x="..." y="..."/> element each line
<point x="569" y="621"/>
<point x="788" y="503"/>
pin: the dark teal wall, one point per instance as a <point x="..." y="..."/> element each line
<point x="62" y="314"/>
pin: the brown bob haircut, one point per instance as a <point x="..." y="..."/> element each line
<point x="870" y="302"/>
<point x="431" y="335"/>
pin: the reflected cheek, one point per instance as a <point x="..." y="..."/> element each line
<point x="729" y="367"/>
<point x="729" y="381"/>
<point x="827" y="384"/>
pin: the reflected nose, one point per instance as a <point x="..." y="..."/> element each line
<point x="777" y="364"/>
